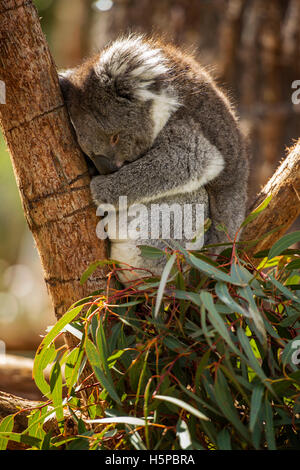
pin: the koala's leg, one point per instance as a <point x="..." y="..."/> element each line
<point x="167" y="222"/>
<point x="227" y="208"/>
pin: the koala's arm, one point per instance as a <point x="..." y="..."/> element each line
<point x="180" y="161"/>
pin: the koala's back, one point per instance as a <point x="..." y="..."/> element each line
<point x="209" y="107"/>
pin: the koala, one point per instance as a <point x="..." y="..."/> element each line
<point x="160" y="131"/>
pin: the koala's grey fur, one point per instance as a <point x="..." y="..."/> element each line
<point x="179" y="138"/>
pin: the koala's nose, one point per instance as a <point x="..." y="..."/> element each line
<point x="104" y="164"/>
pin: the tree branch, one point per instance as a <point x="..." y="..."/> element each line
<point x="284" y="207"/>
<point x="20" y="407"/>
<point x="16" y="376"/>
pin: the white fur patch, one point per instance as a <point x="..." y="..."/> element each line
<point x="163" y="107"/>
<point x="66" y="73"/>
<point x="118" y="57"/>
<point x="128" y="253"/>
<point x="210" y="172"/>
<point x="136" y="60"/>
<point x="215" y="166"/>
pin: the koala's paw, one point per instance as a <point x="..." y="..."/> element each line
<point x="100" y="189"/>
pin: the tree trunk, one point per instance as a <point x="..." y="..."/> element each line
<point x="284" y="207"/>
<point x="49" y="167"/>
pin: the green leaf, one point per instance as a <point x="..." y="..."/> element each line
<point x="95" y="360"/>
<point x="286" y="292"/>
<point x="80" y="443"/>
<point x="211" y="271"/>
<point x="254" y="214"/>
<point x="46" y="443"/>
<point x="216" y="319"/>
<point x="150" y="252"/>
<point x="182" y="404"/>
<point x="144" y="375"/>
<point x="295" y="264"/>
<point x="225" y="403"/>
<point x="46" y="357"/>
<point x="163" y="282"/>
<point x="56" y="391"/>
<point x="23" y="438"/>
<point x="6" y="425"/>
<point x="35" y="423"/>
<point x="129" y="304"/>
<point x="201" y="366"/>
<point x="189" y="296"/>
<point x="102" y="349"/>
<point x="252" y="359"/>
<point x="41" y="418"/>
<point x="256" y="401"/>
<point x="288" y="321"/>
<point x="111" y="360"/>
<point x="223" y="294"/>
<point x="254" y="313"/>
<point x="284" y="243"/>
<point x="41" y="358"/>
<point x="92" y="268"/>
<point x="223" y="440"/>
<point x="146" y="412"/>
<point x="174" y="344"/>
<point x="73" y="362"/>
<point x="203" y="403"/>
<point x="269" y="427"/>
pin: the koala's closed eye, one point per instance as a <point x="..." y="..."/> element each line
<point x="114" y="139"/>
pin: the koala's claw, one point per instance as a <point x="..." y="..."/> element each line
<point x="97" y="186"/>
<point x="102" y="190"/>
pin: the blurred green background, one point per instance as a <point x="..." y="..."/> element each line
<point x="252" y="46"/>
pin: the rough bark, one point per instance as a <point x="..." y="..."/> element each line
<point x="284" y="207"/>
<point x="49" y="167"/>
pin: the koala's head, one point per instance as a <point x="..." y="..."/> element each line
<point x="119" y="101"/>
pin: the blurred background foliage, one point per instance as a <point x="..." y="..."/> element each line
<point x="251" y="46"/>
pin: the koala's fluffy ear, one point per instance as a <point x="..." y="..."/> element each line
<point x="133" y="88"/>
<point x="124" y="87"/>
